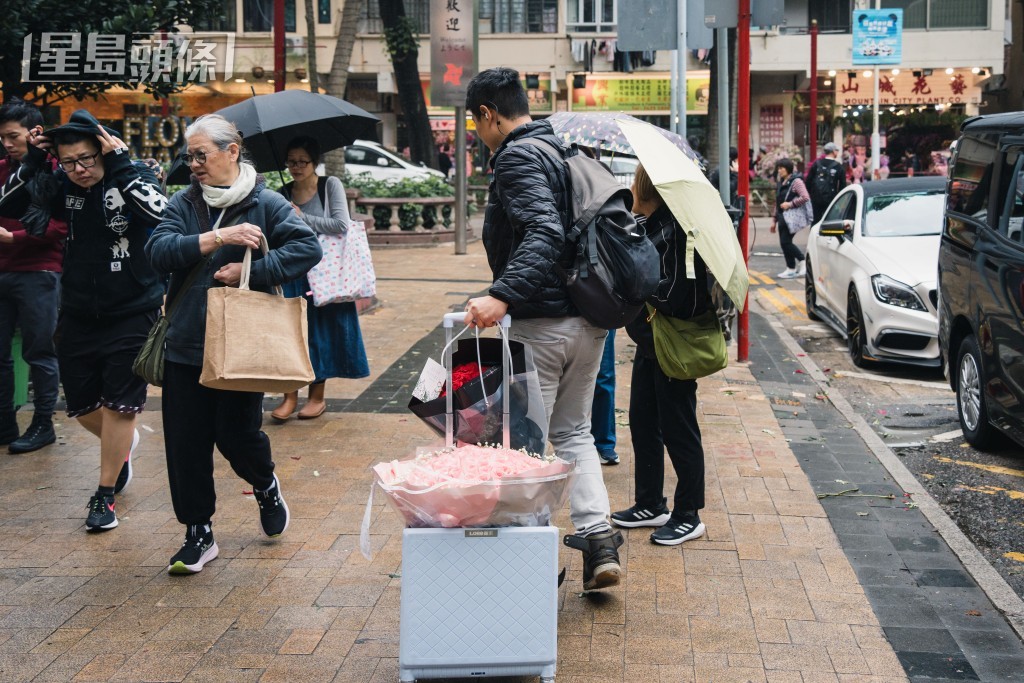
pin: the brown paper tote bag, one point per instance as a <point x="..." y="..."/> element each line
<point x="255" y="341"/>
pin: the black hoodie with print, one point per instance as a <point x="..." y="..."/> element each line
<point x="106" y="271"/>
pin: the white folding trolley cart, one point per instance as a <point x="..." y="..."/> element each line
<point x="478" y="602"/>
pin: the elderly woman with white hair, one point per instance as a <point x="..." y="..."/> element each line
<point x="225" y="191"/>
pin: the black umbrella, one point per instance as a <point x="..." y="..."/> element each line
<point x="269" y="122"/>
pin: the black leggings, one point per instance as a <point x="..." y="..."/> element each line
<point x="195" y="419"/>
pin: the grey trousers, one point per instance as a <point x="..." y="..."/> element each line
<point x="568" y="352"/>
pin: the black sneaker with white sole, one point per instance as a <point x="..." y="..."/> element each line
<point x="198" y="549"/>
<point x="638" y="515"/>
<point x="101" y="513"/>
<point x="273" y="510"/>
<point x="124" y="477"/>
<point x="678" y="531"/>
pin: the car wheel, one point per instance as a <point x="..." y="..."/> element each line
<point x="971" y="405"/>
<point x="856" y="334"/>
<point x="810" y="296"/>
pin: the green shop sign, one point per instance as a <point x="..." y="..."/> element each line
<point x="639" y="94"/>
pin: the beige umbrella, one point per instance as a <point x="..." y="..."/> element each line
<point x="696" y="205"/>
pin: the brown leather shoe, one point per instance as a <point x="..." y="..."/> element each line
<point x="312" y="410"/>
<point x="315" y="404"/>
<point x="288" y="405"/>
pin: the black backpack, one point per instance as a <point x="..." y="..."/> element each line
<point x="822" y="185"/>
<point x="615" y="267"/>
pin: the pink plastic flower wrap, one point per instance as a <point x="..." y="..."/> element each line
<point x="472" y="486"/>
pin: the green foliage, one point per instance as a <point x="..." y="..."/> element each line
<point x="401" y="40"/>
<point x="428" y="186"/>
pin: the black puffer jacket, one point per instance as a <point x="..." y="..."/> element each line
<point x="677" y="295"/>
<point x="524" y="226"/>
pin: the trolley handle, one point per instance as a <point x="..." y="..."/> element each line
<point x="453" y="319"/>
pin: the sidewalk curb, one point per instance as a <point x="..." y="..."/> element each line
<point x="989" y="580"/>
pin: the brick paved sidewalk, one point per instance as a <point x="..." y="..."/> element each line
<point x="768" y="595"/>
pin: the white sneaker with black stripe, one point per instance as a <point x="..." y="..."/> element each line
<point x="678" y="531"/>
<point x="637" y="516"/>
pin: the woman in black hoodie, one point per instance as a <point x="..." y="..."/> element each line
<point x="663" y="410"/>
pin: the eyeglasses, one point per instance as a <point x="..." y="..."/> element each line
<point x="189" y="157"/>
<point x="297" y="163"/>
<point x="87" y="161"/>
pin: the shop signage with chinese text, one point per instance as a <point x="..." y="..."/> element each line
<point x="453" y="50"/>
<point x="644" y="94"/>
<point x="906" y="89"/>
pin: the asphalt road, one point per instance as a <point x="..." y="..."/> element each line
<point x="914" y="410"/>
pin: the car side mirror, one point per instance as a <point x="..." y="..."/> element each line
<point x="381" y="161"/>
<point x="837" y="228"/>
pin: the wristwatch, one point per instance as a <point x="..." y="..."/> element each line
<point x="218" y="238"/>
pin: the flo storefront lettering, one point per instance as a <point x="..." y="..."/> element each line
<point x="154" y="136"/>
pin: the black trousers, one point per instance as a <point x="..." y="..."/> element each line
<point x="663" y="415"/>
<point x="30" y="300"/>
<point x="790" y="251"/>
<point x="195" y="420"/>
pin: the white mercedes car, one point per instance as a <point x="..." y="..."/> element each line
<point x="871" y="269"/>
<point x="364" y="156"/>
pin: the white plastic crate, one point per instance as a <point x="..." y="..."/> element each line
<point x="479" y="603"/>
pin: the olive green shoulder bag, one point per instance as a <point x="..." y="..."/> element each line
<point x="688" y="349"/>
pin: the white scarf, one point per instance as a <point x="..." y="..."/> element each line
<point x="221" y="197"/>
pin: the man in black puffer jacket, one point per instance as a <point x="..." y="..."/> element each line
<point x="524" y="234"/>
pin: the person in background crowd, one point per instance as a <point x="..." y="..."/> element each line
<point x="734" y="177"/>
<point x="723" y="304"/>
<point x="30" y="265"/>
<point x="524" y="235"/>
<point x="157" y="169"/>
<point x="663" y="410"/>
<point x="602" y="422"/>
<point x="790" y="193"/>
<point x="825" y="178"/>
<point x="110" y="296"/>
<point x="335" y="341"/>
<point x="225" y="190"/>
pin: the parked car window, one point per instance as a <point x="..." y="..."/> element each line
<point x="841" y="209"/>
<point x="904" y="214"/>
<point x="1012" y="219"/>
<point x="971" y="176"/>
<point x="367" y="157"/>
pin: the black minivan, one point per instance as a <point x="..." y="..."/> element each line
<point x="981" y="278"/>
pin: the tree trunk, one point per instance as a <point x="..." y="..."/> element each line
<point x="314" y="77"/>
<point x="337" y="80"/>
<point x="407" y="80"/>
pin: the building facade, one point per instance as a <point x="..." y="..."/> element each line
<point x="567" y="52"/>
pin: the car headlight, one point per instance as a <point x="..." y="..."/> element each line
<point x="895" y="293"/>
